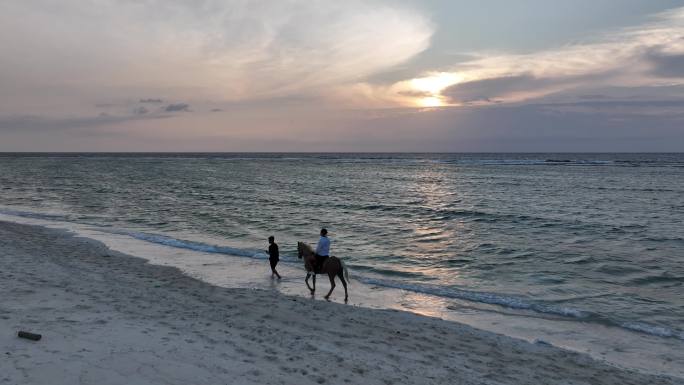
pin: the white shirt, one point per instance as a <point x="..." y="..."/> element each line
<point x="323" y="247"/>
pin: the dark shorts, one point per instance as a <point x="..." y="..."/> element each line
<point x="274" y="262"/>
<point x="320" y="259"/>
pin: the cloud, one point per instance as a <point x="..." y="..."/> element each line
<point x="507" y="127"/>
<point x="648" y="55"/>
<point x="592" y="97"/>
<point x="415" y="93"/>
<point x="490" y="90"/>
<point x="175" y="107"/>
<point x="667" y="65"/>
<point x="659" y="109"/>
<point x="629" y="57"/>
<point x="518" y="87"/>
<point x="216" y="49"/>
<point x="114" y="113"/>
<point x="150" y="100"/>
<point x="38" y="123"/>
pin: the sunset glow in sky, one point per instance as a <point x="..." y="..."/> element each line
<point x="238" y="75"/>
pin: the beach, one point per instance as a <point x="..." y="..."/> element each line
<point x="497" y="189"/>
<point x="109" y="318"/>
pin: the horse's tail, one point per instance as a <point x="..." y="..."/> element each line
<point x="346" y="272"/>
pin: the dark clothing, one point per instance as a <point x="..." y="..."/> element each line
<point x="273" y="251"/>
<point x="273" y="254"/>
<point x="320" y="260"/>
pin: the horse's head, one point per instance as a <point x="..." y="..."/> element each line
<point x="304" y="250"/>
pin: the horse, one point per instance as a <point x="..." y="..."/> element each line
<point x="332" y="266"/>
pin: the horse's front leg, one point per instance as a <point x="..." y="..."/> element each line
<point x="332" y="286"/>
<point x="314" y="284"/>
<point x="312" y="290"/>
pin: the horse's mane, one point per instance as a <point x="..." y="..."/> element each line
<point x="307" y="247"/>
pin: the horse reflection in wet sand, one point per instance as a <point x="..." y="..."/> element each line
<point x="332" y="266"/>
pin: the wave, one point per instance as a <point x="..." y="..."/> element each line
<point x="529" y="162"/>
<point x="582" y="260"/>
<point x="390" y="272"/>
<point x="511" y="302"/>
<point x="663" y="239"/>
<point x="654" y="330"/>
<point x="640" y="189"/>
<point x="28" y="214"/>
<point x="657" y="279"/>
<point x="195" y="246"/>
<point x="482" y="159"/>
<point x="559" y="162"/>
<point x="618" y="270"/>
<point x="519" y="303"/>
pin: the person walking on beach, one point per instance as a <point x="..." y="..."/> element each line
<point x="322" y="250"/>
<point x="273" y="256"/>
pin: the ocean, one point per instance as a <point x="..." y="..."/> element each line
<point x="585" y="251"/>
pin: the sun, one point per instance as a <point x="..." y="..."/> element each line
<point x="431" y="101"/>
<point x="432" y="86"/>
<point x="435" y="83"/>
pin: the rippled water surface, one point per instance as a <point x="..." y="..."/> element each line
<point x="592" y="237"/>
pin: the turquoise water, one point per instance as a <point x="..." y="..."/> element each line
<point x="594" y="238"/>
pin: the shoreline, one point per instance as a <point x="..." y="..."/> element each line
<point x="617" y="346"/>
<point x="111" y="318"/>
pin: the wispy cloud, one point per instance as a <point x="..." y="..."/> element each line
<point x="221" y="49"/>
<point x="109" y="114"/>
<point x="140" y="110"/>
<point x="632" y="57"/>
<point x="151" y="100"/>
<point x="40" y="123"/>
<point x="667" y="65"/>
<point x="649" y="55"/>
<point x="177" y="107"/>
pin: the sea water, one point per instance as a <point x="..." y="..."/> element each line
<point x="585" y="251"/>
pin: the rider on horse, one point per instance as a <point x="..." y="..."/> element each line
<point x="322" y="250"/>
<point x="321" y="262"/>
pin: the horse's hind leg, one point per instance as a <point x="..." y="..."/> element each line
<point x="344" y="284"/>
<point x="332" y="285"/>
<point x="307" y="282"/>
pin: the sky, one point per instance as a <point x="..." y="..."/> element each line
<point x="322" y="76"/>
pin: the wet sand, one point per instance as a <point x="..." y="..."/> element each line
<point x="109" y="318"/>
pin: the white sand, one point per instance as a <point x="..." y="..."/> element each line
<point x="108" y="318"/>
